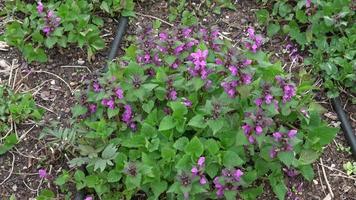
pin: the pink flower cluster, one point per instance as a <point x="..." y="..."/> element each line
<point x="282" y="142"/>
<point x="289" y="89"/>
<point x="254" y="42"/>
<point x="199" y="60"/>
<point x="199" y="171"/>
<point x="50" y="18"/>
<point x="228" y="181"/>
<point x="257" y="122"/>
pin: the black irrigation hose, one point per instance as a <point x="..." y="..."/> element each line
<point x="345" y="124"/>
<point x="123" y="21"/>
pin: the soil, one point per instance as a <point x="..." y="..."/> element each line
<point x="22" y="163"/>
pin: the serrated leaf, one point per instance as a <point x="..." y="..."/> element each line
<point x="197" y="121"/>
<point x="195" y="147"/>
<point x="167" y="123"/>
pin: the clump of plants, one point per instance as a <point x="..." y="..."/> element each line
<point x="326" y="29"/>
<point x="46" y="25"/>
<point x="188" y="11"/>
<point x="187" y="116"/>
<point x="14" y="109"/>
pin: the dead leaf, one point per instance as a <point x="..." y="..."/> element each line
<point x="4" y="46"/>
<point x="328" y="197"/>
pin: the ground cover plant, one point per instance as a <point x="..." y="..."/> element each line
<point x="325" y="29"/>
<point x="15" y="108"/>
<point x="46" y="25"/>
<point x="186" y="115"/>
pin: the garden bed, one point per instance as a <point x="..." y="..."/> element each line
<point x="68" y="69"/>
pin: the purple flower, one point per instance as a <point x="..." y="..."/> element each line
<point x="127" y="115"/>
<point x="199" y="58"/>
<point x="247" y="129"/>
<point x="233" y="69"/>
<point x="251" y="139"/>
<point x="39" y="7"/>
<point x="46" y="30"/>
<point x="277" y="136"/>
<point x="163" y="36"/>
<point x="251" y="33"/>
<point x="201" y="161"/>
<point x="246" y="79"/>
<point x="307" y="3"/>
<point x="292" y="133"/>
<point x="42" y="173"/>
<point x="237" y="174"/>
<point x="92" y="108"/>
<point x="172" y="95"/>
<point x="289" y="92"/>
<point x="258" y="130"/>
<point x="110" y="103"/>
<point x="273" y="153"/>
<point x="203" y="180"/>
<point x="219" y="187"/>
<point x="258" y="102"/>
<point x="88" y="198"/>
<point x="194" y="171"/>
<point x="268" y="98"/>
<point x="305" y="112"/>
<point x="119" y="93"/>
<point x="218" y="61"/>
<point x="179" y="49"/>
<point x="186" y="32"/>
<point x="187" y="102"/>
<point x="246" y="62"/>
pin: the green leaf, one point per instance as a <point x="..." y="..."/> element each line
<point x="307" y="171"/>
<point x="50" y="42"/>
<point x="91" y="181"/>
<point x="167" y="123"/>
<point x="78" y="110"/>
<point x="181" y="143"/>
<point x="179" y="109"/>
<point x="114" y="176"/>
<point x="195" y="147"/>
<point x="272" y="29"/>
<point x="212" y="146"/>
<point x="324" y="134"/>
<point x="110" y="152"/>
<point x="159" y="187"/>
<point x="62" y="179"/>
<point x="278" y="186"/>
<point x="308" y="156"/>
<point x="251" y="193"/>
<point x="231" y="159"/>
<point x="216" y="125"/>
<point x="197" y="121"/>
<point x="9" y="143"/>
<point x="286" y="157"/>
<point x="113" y="112"/>
<point x="262" y="16"/>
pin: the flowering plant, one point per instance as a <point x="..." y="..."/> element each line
<point x="186" y="115"/>
<point x="61" y="24"/>
<point x="326" y="29"/>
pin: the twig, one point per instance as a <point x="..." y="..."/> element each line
<point x="27" y="156"/>
<point x="326" y="179"/>
<point x="33" y="190"/>
<point x="47" y="109"/>
<point x="24" y="135"/>
<point x="55" y="75"/>
<point x="154" y="17"/>
<point x="15" y="77"/>
<point x="340" y="175"/>
<point x="12" y="169"/>
<point x="332" y="169"/>
<point x="321" y="180"/>
<point x="77" y="66"/>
